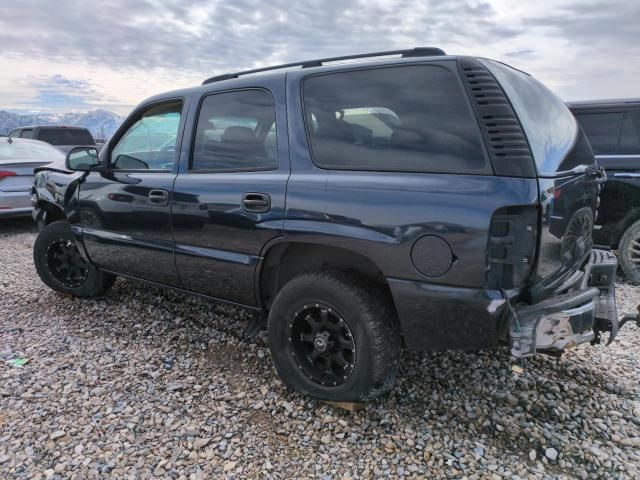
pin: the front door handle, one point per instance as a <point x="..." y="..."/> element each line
<point x="256" y="202"/>
<point x="159" y="197"/>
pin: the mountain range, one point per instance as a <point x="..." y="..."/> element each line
<point x="101" y="123"/>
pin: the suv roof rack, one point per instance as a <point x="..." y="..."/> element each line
<point x="407" y="53"/>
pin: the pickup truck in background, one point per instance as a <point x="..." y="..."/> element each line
<point x="62" y="137"/>
<point x="613" y="129"/>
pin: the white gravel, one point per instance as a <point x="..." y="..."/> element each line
<point x="147" y="383"/>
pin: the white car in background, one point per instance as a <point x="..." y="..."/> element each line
<point x="18" y="158"/>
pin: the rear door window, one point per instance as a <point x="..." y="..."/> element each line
<point x="406" y="118"/>
<point x="236" y="132"/>
<point x="630" y="134"/>
<point x="602" y="130"/>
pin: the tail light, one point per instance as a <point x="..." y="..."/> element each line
<point x="513" y="237"/>
<point x="5" y="173"/>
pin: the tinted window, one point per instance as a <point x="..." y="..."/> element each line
<point x="602" y="129"/>
<point x="65" y="136"/>
<point x="409" y="118"/>
<point x="17" y="150"/>
<point x="27" y="133"/>
<point x="150" y="143"/>
<point x="549" y="125"/>
<point x="630" y="134"/>
<point x="236" y="131"/>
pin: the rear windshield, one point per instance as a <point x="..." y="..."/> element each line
<point x="17" y="150"/>
<point x="65" y="136"/>
<point x="549" y="125"/>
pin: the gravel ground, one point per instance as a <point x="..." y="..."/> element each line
<point x="150" y="383"/>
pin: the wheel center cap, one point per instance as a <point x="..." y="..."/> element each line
<point x="320" y="343"/>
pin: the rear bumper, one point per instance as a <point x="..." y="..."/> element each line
<point x="572" y="317"/>
<point x="438" y="317"/>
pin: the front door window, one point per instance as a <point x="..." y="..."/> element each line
<point x="150" y="142"/>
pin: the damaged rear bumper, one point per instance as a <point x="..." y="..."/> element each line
<point x="569" y="319"/>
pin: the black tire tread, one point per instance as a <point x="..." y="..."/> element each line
<point x="378" y="313"/>
<point x="97" y="282"/>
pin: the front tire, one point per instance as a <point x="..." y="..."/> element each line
<point x="62" y="268"/>
<point x="629" y="251"/>
<point x="334" y="337"/>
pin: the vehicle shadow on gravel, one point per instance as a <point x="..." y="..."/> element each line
<point x="15" y="226"/>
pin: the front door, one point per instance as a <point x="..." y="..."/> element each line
<point x="125" y="209"/>
<point x="229" y="195"/>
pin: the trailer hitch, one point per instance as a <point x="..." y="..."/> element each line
<point x="613" y="326"/>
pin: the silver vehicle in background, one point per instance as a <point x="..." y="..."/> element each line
<point x="18" y="158"/>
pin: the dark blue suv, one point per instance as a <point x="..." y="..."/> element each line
<point x="411" y="198"/>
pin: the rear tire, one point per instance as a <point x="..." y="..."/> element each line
<point x="334" y="337"/>
<point x="629" y="251"/>
<point x="61" y="267"/>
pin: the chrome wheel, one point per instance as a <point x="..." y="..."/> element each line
<point x="322" y="344"/>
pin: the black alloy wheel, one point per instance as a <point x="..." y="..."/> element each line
<point x="61" y="267"/>
<point x="322" y="344"/>
<point x="65" y="263"/>
<point x="334" y="336"/>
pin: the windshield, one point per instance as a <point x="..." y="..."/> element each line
<point x="549" y="125"/>
<point x="17" y="150"/>
<point x="65" y="136"/>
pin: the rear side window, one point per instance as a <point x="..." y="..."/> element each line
<point x="602" y="130"/>
<point x="630" y="134"/>
<point x="236" y="132"/>
<point x="65" y="136"/>
<point x="408" y="118"/>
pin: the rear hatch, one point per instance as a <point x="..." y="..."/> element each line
<point x="568" y="180"/>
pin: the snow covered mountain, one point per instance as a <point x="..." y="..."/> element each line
<point x="101" y="123"/>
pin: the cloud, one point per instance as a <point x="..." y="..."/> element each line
<point x="122" y="51"/>
<point x="219" y="35"/>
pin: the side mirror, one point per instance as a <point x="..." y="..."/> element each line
<point x="82" y="159"/>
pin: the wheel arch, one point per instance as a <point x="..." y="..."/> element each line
<point x="51" y="212"/>
<point x="286" y="260"/>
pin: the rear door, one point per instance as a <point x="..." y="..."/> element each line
<point x="229" y="196"/>
<point x="125" y="209"/>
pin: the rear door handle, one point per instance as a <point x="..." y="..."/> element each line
<point x="159" y="197"/>
<point x="256" y="202"/>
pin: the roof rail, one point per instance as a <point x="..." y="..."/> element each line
<point x="412" y="52"/>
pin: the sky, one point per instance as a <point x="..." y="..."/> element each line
<point x="63" y="55"/>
